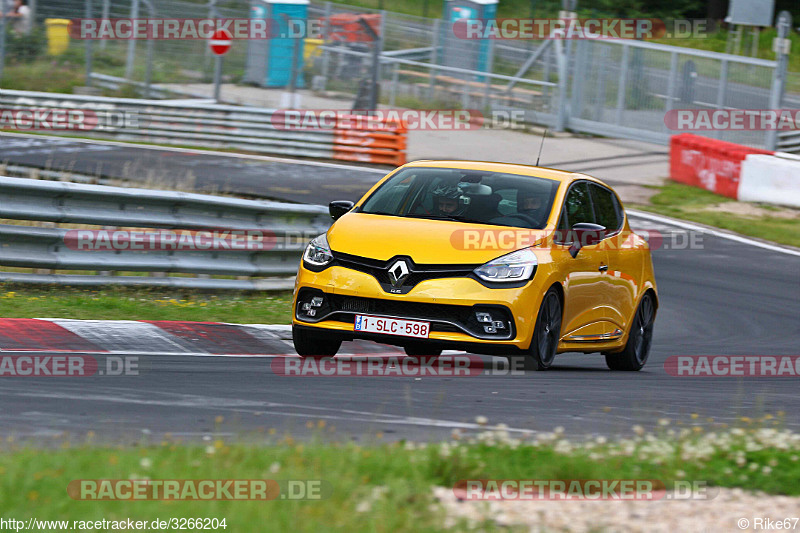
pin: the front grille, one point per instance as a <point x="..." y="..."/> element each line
<point x="413" y="310"/>
<point x="417" y="273"/>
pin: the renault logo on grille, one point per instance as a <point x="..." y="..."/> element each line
<point x="398" y="272"/>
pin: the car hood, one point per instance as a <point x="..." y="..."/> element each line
<point x="426" y="241"/>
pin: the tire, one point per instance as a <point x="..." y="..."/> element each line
<point x="546" y="333"/>
<point x="634" y="356"/>
<point x="418" y="350"/>
<point x="309" y="344"/>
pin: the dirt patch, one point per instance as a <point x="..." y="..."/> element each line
<point x="754" y="210"/>
<point x="721" y="512"/>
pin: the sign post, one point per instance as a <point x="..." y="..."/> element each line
<point x="220" y="43"/>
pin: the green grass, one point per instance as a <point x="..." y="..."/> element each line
<point x="144" y="304"/>
<point x="691" y="203"/>
<point x="382" y="487"/>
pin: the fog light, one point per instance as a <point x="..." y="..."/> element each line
<point x="306" y="306"/>
<point x="316" y="301"/>
<point x="483" y="317"/>
<point x="489" y="329"/>
<point x="311" y="312"/>
<point x="499" y="324"/>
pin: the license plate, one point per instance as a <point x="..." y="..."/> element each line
<point x="392" y="326"/>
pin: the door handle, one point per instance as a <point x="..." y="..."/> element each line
<point x="602" y="268"/>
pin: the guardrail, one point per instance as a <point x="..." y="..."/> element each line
<point x="789" y="141"/>
<point x="206" y="124"/>
<point x="269" y="236"/>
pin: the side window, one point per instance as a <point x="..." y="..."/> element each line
<point x="578" y="204"/>
<point x="577" y="208"/>
<point x="605" y="206"/>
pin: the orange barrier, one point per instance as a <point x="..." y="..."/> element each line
<point x="345" y="27"/>
<point x="384" y="143"/>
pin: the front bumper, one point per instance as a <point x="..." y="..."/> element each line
<point x="449" y="304"/>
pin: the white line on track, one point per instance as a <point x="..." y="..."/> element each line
<point x="712" y="231"/>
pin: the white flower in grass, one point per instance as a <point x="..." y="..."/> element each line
<point x="210" y="450"/>
<point x="274" y="468"/>
<point x="481" y="420"/>
<point x="145" y="462"/>
<point x="766" y="470"/>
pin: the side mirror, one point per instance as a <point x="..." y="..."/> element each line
<point x="338" y="208"/>
<point x="585" y="234"/>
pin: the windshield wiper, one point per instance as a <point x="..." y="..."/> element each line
<point x="462" y="218"/>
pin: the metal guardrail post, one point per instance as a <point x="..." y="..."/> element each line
<point x="2" y="47"/>
<point x="623" y="85"/>
<point x="326" y="55"/>
<point x="434" y="59"/>
<point x="603" y="71"/>
<point x="673" y="75"/>
<point x="723" y="87"/>
<point x="489" y="66"/>
<point x="393" y="89"/>
<point x="148" y="76"/>
<point x="779" y="76"/>
<point x="132" y="43"/>
<point x="89" y="42"/>
<point x="563" y="81"/>
<point x="105" y="16"/>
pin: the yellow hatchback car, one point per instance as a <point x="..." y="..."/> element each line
<point x="489" y="258"/>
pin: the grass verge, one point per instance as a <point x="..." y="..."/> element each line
<point x="385" y="487"/>
<point x="781" y="225"/>
<point x="144" y="304"/>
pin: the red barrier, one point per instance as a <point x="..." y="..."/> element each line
<point x="708" y="163"/>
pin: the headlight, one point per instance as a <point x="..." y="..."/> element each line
<point x="318" y="252"/>
<point x="516" y="266"/>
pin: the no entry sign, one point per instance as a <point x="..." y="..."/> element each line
<point x="220" y="42"/>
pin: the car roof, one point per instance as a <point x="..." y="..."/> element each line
<point x="563" y="176"/>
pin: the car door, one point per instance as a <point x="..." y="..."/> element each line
<point x="585" y="316"/>
<point x="623" y="261"/>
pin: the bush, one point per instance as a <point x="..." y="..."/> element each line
<point x="25" y="48"/>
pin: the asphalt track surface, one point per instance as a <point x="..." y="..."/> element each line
<point x="723" y="298"/>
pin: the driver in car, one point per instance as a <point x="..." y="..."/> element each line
<point x="447" y="200"/>
<point x="531" y="204"/>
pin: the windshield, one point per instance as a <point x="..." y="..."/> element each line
<point x="477" y="196"/>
